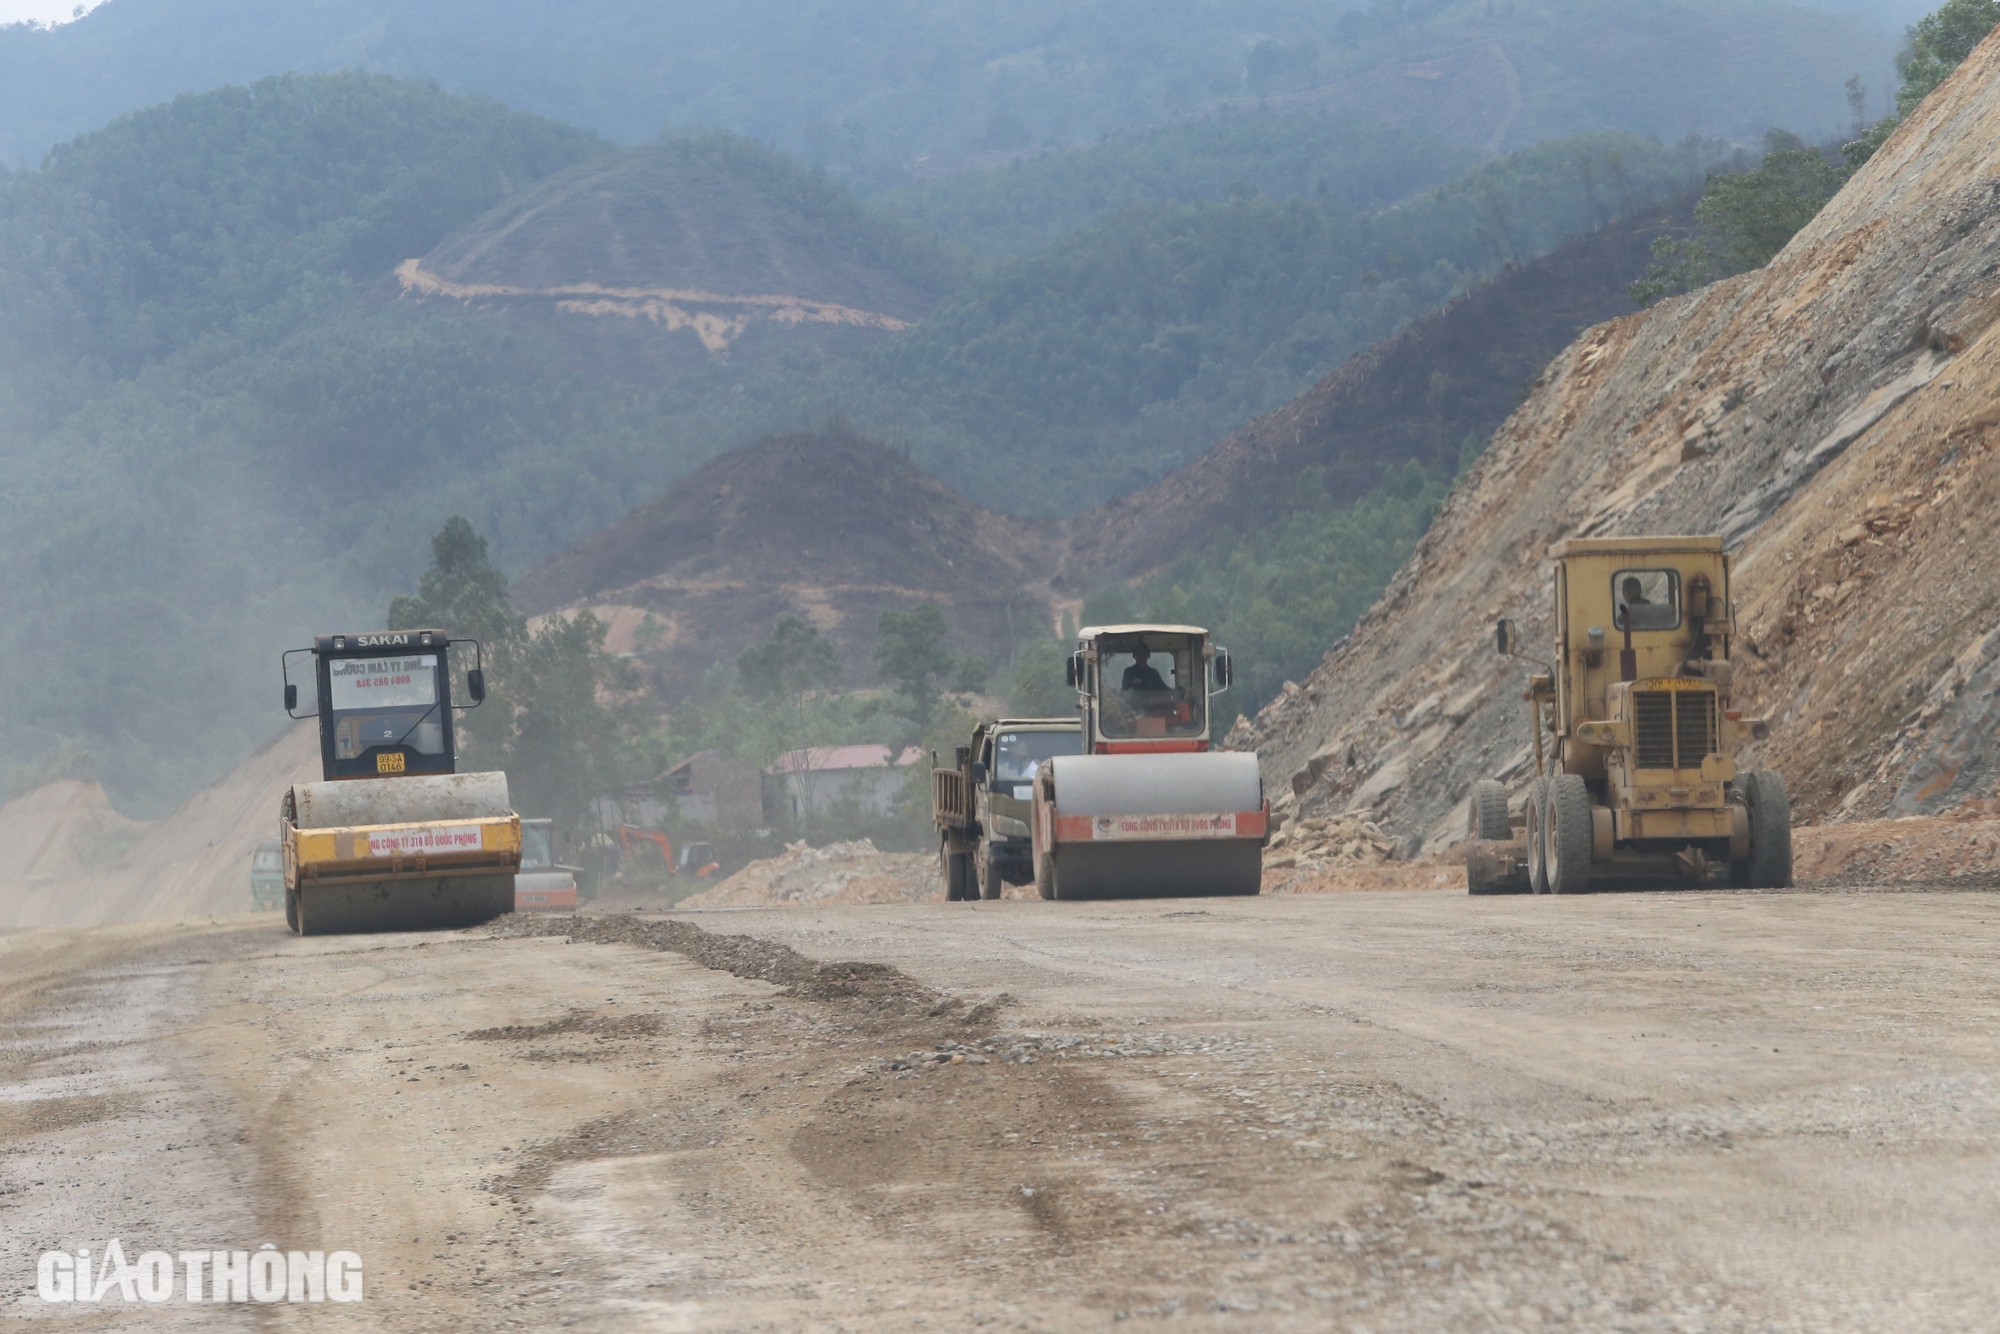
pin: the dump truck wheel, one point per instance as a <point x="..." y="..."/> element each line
<point x="1769" y="865"/>
<point x="1538" y="818"/>
<point x="987" y="872"/>
<point x="1567" y="861"/>
<point x="953" y="867"/>
<point x="1486" y="815"/>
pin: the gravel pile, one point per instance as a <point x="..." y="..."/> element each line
<point x="854" y="872"/>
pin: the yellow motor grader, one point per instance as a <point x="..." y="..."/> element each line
<point x="1635" y="736"/>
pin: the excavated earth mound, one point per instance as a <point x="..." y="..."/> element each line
<point x="1835" y="415"/>
<point x="830" y="527"/>
<point x="839" y="873"/>
<point x="1456" y="373"/>
<point x="72" y="860"/>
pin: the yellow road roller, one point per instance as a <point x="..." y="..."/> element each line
<point x="394" y="838"/>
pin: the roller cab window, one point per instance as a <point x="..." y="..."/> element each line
<point x="535" y="852"/>
<point x="386" y="702"/>
<point x="1646" y="600"/>
<point x="1149" y="688"/>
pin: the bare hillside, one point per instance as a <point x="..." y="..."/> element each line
<point x="1835" y="414"/>
<point x="829" y="526"/>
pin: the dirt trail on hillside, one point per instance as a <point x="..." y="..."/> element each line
<point x="718" y="319"/>
<point x="1398" y="1112"/>
<point x="1833" y="415"/>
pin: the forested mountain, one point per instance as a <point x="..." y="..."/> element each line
<point x="878" y="89"/>
<point x="1105" y="359"/>
<point x="255" y="343"/>
<point x="1025" y="204"/>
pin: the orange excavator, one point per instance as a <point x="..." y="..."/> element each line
<point x="697" y="859"/>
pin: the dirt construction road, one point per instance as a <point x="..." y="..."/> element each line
<point x="1391" y="1111"/>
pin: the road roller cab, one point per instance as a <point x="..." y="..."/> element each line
<point x="1635" y="734"/>
<point x="1148" y="809"/>
<point x="393" y="837"/>
<point x="1144" y="689"/>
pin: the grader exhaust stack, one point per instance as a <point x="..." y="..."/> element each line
<point x="393" y="839"/>
<point x="1148" y="809"/>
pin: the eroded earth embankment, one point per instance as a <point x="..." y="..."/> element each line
<point x="1834" y="414"/>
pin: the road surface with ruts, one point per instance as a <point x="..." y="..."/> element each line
<point x="1384" y="1111"/>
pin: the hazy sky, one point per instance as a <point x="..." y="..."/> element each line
<point x="47" y="11"/>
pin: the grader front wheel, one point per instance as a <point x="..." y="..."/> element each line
<point x="1769" y="865"/>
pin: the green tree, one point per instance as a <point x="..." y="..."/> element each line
<point x="787" y="670"/>
<point x="1936" y="44"/>
<point x="550" y="719"/>
<point x="1037" y="684"/>
<point x="795" y="661"/>
<point x="1754" y="213"/>
<point x="461" y="592"/>
<point x="910" y="651"/>
<point x="569" y="742"/>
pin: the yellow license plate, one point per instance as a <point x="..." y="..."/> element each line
<point x="389" y="762"/>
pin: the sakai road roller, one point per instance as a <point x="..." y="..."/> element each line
<point x="1147" y="808"/>
<point x="1638" y="782"/>
<point x="394" y="838"/>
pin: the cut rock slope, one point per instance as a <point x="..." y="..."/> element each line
<point x="1834" y="414"/>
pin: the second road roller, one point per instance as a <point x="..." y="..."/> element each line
<point x="1149" y="808"/>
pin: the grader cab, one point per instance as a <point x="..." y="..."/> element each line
<point x="1635" y="735"/>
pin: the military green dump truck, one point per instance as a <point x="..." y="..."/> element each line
<point x="982" y="805"/>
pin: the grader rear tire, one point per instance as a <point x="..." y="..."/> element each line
<point x="1567" y="861"/>
<point x="1538" y="852"/>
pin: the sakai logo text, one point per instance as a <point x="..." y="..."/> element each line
<point x="263" y="1275"/>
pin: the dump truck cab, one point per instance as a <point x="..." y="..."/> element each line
<point x="1149" y="808"/>
<point x="393" y="837"/>
<point x="983" y="804"/>
<point x="1640" y="778"/>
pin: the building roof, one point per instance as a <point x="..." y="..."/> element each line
<point x="711" y="751"/>
<point x="820" y="759"/>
